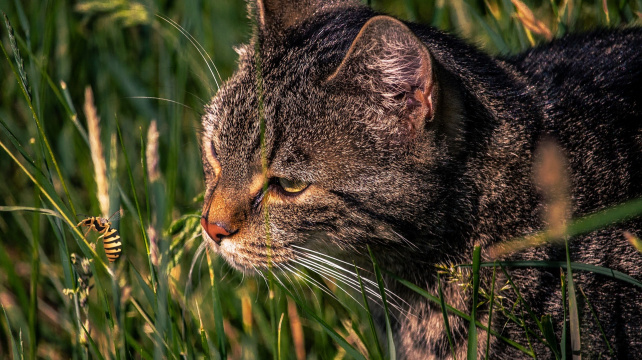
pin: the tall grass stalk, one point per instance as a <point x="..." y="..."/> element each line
<point x="130" y="57"/>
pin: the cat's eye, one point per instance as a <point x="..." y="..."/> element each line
<point x="292" y="186"/>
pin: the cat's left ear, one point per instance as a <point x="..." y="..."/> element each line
<point x="388" y="59"/>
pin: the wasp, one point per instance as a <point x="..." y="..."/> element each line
<point x="111" y="238"/>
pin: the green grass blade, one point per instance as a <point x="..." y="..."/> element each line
<point x="218" y="310"/>
<point x="150" y="323"/>
<point x="43" y="211"/>
<point x="63" y="96"/>
<point x="614" y="274"/>
<point x="351" y="351"/>
<point x="574" y="319"/>
<point x="460" y="313"/>
<point x="392" y="354"/>
<point x="82" y="242"/>
<point x="564" y="338"/>
<point x="147" y="290"/>
<point x="549" y="335"/>
<point x="598" y="220"/>
<point x="140" y="349"/>
<point x="14" y="346"/>
<point x="92" y="344"/>
<point x="525" y="305"/>
<point x="472" y="329"/>
<point x="597" y="320"/>
<point x="373" y="329"/>
<point x="490" y="311"/>
<point x="444" y="313"/>
<point x="205" y="344"/>
<point x="140" y="216"/>
<point x="17" y="145"/>
<point x="22" y="80"/>
<point x="35" y="279"/>
<point x="278" y="341"/>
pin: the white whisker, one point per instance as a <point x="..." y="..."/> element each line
<point x="197" y="45"/>
<point x="404" y="239"/>
<point x="331" y="280"/>
<point x="262" y="275"/>
<point x="298" y="273"/>
<point x="284" y="272"/>
<point x="161" y="99"/>
<point x="327" y="256"/>
<point x="371" y="288"/>
<point x="321" y="287"/>
<point x="200" y="251"/>
<point x="392" y="295"/>
<point x="370" y="293"/>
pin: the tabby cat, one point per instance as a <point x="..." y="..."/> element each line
<point x="344" y="128"/>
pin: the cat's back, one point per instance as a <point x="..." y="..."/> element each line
<point x="602" y="58"/>
<point x="592" y="78"/>
<point x="589" y="87"/>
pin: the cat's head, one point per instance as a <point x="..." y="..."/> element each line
<point x="328" y="145"/>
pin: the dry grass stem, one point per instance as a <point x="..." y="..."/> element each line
<point x="297" y="330"/>
<point x="527" y="18"/>
<point x="551" y="179"/>
<point x="633" y="240"/>
<point x="151" y="152"/>
<point x="97" y="154"/>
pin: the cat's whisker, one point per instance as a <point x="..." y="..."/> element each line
<point x="227" y="272"/>
<point x="197" y="97"/>
<point x="298" y="273"/>
<point x="261" y="274"/>
<point x="351" y="273"/>
<point x="332" y="280"/>
<point x="343" y="278"/>
<point x="200" y="252"/>
<point x="370" y="286"/>
<point x="161" y="99"/>
<point x="371" y="293"/>
<point x="197" y="45"/>
<point x="403" y="239"/>
<point x="326" y="256"/>
<point x="284" y="272"/>
<point x="334" y="265"/>
<point x="314" y="282"/>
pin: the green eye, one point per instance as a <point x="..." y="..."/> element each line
<point x="292" y="186"/>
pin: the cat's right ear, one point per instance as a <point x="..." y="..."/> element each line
<point x="387" y="59"/>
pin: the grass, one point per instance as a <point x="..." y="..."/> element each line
<point x="141" y="68"/>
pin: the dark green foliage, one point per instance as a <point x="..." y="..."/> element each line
<point x="141" y="68"/>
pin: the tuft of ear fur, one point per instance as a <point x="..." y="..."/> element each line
<point x="388" y="60"/>
<point x="276" y="16"/>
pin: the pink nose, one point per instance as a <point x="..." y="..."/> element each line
<point x="216" y="232"/>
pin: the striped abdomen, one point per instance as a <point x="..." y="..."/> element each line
<point x="112" y="244"/>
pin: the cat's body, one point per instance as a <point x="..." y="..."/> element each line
<point x="405" y="139"/>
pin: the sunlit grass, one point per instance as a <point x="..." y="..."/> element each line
<point x="144" y="305"/>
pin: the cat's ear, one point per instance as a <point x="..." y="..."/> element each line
<point x="274" y="16"/>
<point x="387" y="59"/>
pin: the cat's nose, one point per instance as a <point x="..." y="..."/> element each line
<point x="215" y="231"/>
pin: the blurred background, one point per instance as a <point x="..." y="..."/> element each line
<point x="143" y="62"/>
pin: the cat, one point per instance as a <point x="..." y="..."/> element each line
<point x="343" y="128"/>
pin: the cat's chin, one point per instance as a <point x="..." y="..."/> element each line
<point x="236" y="255"/>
